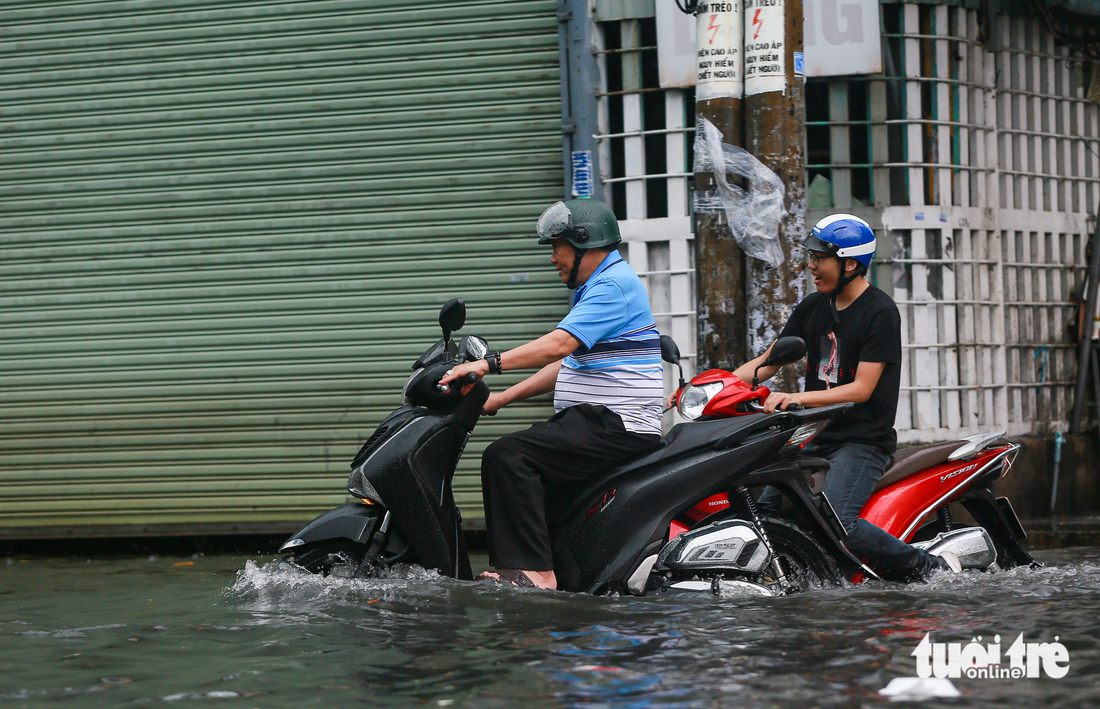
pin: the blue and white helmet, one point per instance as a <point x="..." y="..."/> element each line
<point x="843" y="236"/>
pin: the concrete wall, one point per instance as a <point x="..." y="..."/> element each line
<point x="1028" y="484"/>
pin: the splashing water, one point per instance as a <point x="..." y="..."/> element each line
<point x="247" y="632"/>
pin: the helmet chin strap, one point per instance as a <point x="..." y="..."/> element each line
<point x="843" y="281"/>
<point x="578" y="256"/>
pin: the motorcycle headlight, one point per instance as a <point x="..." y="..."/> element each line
<point x="360" y="487"/>
<point x="695" y="399"/>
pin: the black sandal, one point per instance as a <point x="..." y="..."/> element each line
<point x="512" y="576"/>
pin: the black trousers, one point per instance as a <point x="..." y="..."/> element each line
<point x="518" y="469"/>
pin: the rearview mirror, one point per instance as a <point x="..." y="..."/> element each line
<point x="671" y="354"/>
<point x="452" y="316"/>
<point x="784" y="351"/>
<point x="669" y="351"/>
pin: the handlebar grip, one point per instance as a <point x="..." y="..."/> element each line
<point x="446" y="388"/>
<point x="795" y="407"/>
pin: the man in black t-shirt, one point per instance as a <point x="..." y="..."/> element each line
<point x="853" y="334"/>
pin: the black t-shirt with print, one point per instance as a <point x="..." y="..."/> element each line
<point x="869" y="331"/>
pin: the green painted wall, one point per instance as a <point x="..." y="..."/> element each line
<point x="226" y="230"/>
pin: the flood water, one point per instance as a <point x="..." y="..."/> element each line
<point x="240" y="631"/>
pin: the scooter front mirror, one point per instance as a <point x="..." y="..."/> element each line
<point x="671" y="354"/>
<point x="452" y="316"/>
<point x="669" y="351"/>
<point x="784" y="351"/>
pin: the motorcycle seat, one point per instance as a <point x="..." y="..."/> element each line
<point x="910" y="461"/>
<point x="682" y="439"/>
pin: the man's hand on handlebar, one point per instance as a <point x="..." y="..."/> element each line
<point x="479" y="368"/>
<point x="778" y="401"/>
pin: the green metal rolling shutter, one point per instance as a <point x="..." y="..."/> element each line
<point x="226" y="229"/>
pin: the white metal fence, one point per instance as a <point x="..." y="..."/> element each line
<point x="645" y="157"/>
<point x="977" y="164"/>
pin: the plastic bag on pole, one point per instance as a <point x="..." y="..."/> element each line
<point x="754" y="215"/>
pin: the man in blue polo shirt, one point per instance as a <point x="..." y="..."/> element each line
<point x="603" y="363"/>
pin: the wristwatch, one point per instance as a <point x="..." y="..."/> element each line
<point x="493" y="358"/>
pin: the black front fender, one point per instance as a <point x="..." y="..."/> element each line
<point x="354" y="521"/>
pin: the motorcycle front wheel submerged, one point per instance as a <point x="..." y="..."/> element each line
<point x="805" y="562"/>
<point x="337" y="557"/>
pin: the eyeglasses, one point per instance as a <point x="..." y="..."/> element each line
<point x="815" y="257"/>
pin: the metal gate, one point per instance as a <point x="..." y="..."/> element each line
<point x="225" y="231"/>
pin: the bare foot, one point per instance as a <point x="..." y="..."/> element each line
<point x="516" y="577"/>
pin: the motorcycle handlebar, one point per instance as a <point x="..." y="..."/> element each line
<point x="446" y="388"/>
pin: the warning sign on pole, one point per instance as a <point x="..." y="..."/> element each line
<point x="718" y="50"/>
<point x="765" y="47"/>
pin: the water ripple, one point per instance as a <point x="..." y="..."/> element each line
<point x="227" y="629"/>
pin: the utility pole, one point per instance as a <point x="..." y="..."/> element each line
<point x="579" y="86"/>
<point x="775" y="132"/>
<point x="719" y="261"/>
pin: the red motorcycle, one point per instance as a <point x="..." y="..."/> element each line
<point x="912" y="499"/>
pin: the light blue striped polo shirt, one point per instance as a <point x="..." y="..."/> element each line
<point x="618" y="363"/>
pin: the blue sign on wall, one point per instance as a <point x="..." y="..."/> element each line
<point x="583" y="185"/>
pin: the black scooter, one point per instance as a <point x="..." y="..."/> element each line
<point x="636" y="528"/>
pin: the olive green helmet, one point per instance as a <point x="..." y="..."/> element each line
<point x="584" y="223"/>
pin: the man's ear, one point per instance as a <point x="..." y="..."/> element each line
<point x="850" y="265"/>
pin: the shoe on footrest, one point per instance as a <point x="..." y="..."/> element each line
<point x="946" y="561"/>
<point x="972" y="546"/>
